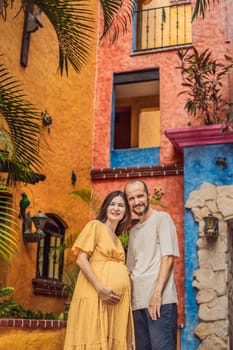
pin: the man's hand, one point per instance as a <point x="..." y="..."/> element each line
<point x="164" y="273"/>
<point x="155" y="305"/>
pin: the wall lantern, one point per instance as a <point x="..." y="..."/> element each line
<point x="211" y="227"/>
<point x="39" y="220"/>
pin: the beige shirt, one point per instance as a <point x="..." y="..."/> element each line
<point x="149" y="241"/>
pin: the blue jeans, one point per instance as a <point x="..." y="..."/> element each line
<point x="160" y="334"/>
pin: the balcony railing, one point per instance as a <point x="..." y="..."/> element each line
<point x="163" y="27"/>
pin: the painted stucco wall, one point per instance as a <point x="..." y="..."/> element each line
<point x="38" y="339"/>
<point x="69" y="100"/>
<point x="199" y="167"/>
<point x="209" y="33"/>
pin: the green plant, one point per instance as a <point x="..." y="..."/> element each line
<point x="203" y="79"/>
<point x="12" y="309"/>
<point x="6" y="291"/>
<point x="19" y="131"/>
<point x="70" y="278"/>
<point x="90" y="197"/>
<point x="201" y="7"/>
<point x="8" y="242"/>
<point x="8" y="308"/>
<point x="124" y="238"/>
<point x="74" y="24"/>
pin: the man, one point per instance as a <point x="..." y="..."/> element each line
<point x="153" y="246"/>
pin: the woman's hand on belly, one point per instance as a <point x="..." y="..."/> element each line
<point x="108" y="295"/>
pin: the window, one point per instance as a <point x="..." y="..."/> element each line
<point x="50" y="256"/>
<point x="136" y="118"/>
<point x="49" y="253"/>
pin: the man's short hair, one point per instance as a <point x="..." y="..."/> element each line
<point x="142" y="182"/>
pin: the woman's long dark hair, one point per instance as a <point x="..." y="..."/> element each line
<point x="102" y="215"/>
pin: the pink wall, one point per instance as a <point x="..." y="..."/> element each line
<point x="209" y="33"/>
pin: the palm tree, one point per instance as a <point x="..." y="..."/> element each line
<point x="73" y="22"/>
<point x="20" y="122"/>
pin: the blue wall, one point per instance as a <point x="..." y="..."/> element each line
<point x="199" y="167"/>
<point x="134" y="157"/>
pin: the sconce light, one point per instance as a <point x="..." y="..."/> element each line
<point x="211" y="229"/>
<point x="222" y="162"/>
<point x="39" y="220"/>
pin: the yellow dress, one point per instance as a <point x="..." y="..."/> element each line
<point x="93" y="324"/>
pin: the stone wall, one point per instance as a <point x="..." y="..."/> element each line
<point x="213" y="279"/>
<point x="230" y="279"/>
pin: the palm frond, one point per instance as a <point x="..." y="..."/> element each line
<point x="90" y="197"/>
<point x="8" y="225"/>
<point x="117" y="15"/>
<point x="200" y="7"/>
<point x="69" y="241"/>
<point x="20" y="126"/>
<point x="73" y="22"/>
<point x="70" y="279"/>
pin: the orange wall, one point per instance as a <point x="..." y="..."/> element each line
<point x="22" y="339"/>
<point x="70" y="103"/>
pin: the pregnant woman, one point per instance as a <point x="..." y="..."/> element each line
<point x="100" y="316"/>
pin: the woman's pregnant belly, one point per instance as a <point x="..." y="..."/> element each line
<point x="114" y="275"/>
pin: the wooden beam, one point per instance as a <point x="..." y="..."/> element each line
<point x="26" y="37"/>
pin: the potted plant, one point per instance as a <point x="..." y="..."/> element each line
<point x="203" y="78"/>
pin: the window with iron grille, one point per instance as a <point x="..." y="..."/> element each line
<point x="50" y="259"/>
<point x="162" y="24"/>
<point x="49" y="253"/>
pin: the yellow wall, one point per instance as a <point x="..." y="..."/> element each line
<point x="37" y="339"/>
<point x="42" y="339"/>
<point x="140" y="106"/>
<point x="149" y="128"/>
<point x="70" y="103"/>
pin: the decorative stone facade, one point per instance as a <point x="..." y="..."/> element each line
<point x="213" y="279"/>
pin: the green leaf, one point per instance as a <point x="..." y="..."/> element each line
<point x="201" y="7"/>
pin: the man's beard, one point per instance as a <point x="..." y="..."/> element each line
<point x="144" y="211"/>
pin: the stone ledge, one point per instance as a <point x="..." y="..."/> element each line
<point x="31" y="323"/>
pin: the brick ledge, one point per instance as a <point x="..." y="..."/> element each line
<point x="31" y="323"/>
<point x="135" y="172"/>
